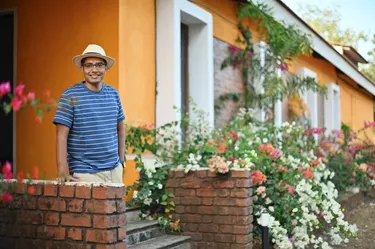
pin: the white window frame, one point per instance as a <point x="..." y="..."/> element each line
<point x="170" y="14"/>
<point x="260" y="49"/>
<point x="310" y="98"/>
<point x="332" y="110"/>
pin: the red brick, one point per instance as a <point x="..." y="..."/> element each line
<point x="25" y="231"/>
<point x="207" y="210"/>
<point x="242" y="202"/>
<point x="30" y="217"/>
<point x="194" y="236"/>
<point x="242" y="229"/>
<point x="20" y="188"/>
<point x="207" y="193"/>
<point x="83" y="192"/>
<point x="207" y="185"/>
<point x="173" y="183"/>
<point x="75" y="233"/>
<point x="223" y="202"/>
<point x="28" y="243"/>
<point x="106" y="192"/>
<point x="226" y="229"/>
<point x="52" y="218"/>
<point x="241" y="174"/>
<point x="223" y="210"/>
<point x="190" y="184"/>
<point x="52" y="204"/>
<point x="244" y="220"/>
<point x="227" y="220"/>
<point x="56" y="233"/>
<point x="191" y="209"/>
<point x="191" y="218"/>
<point x="223" y="192"/>
<point x="207" y="219"/>
<point x="66" y="245"/>
<point x="75" y="206"/>
<point x="101" y="206"/>
<point x="24" y="202"/>
<point x="209" y="237"/>
<point x="244" y="239"/>
<point x="66" y="191"/>
<point x="207" y="201"/>
<point x="189" y="201"/>
<point x="121" y="233"/>
<point x="120" y="245"/>
<point x="219" y="245"/>
<point x="109" y="221"/>
<point x="223" y="184"/>
<point x="170" y="174"/>
<point x="229" y="238"/>
<point x="201" y="173"/>
<point x="243" y="183"/>
<point x="211" y="174"/>
<point x="185" y="192"/>
<point x="208" y="228"/>
<point x="180" y="210"/>
<point x="242" y="246"/>
<point x="50" y="189"/>
<point x="242" y="193"/>
<point x="192" y="227"/>
<point x="101" y="236"/>
<point x="38" y="189"/>
<point x="239" y="211"/>
<point x="179" y="174"/>
<point x="121" y="206"/>
<point x="76" y="220"/>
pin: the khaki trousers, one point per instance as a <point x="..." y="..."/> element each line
<point x="109" y="176"/>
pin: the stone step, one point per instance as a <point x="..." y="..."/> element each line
<point x="132" y="214"/>
<point x="164" y="242"/>
<point x="142" y="230"/>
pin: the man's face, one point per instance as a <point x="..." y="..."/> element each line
<point x="94" y="70"/>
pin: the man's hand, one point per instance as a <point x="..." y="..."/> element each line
<point x="66" y="178"/>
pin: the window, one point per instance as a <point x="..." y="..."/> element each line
<point x="332" y="119"/>
<point x="184" y="47"/>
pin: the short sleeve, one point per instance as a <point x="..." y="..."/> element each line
<point x="64" y="112"/>
<point x="120" y="113"/>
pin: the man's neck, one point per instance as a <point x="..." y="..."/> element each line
<point x="94" y="87"/>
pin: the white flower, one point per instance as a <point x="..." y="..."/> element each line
<point x="160" y="186"/>
<point x="151" y="183"/>
<point x="268" y="201"/>
<point x="265" y="140"/>
<point x="236" y="148"/>
<point x="271" y="208"/>
<point x="135" y="194"/>
<point x="295" y="210"/>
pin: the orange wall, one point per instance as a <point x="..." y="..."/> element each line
<point x="137" y="65"/>
<point x="49" y="34"/>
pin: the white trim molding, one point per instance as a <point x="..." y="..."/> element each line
<point x="170" y="14"/>
<point x="260" y="49"/>
<point x="310" y="98"/>
<point x="332" y="118"/>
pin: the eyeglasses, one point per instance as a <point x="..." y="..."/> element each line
<point x="99" y="66"/>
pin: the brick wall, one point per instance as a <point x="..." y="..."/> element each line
<point x="226" y="81"/>
<point x="73" y="215"/>
<point x="215" y="211"/>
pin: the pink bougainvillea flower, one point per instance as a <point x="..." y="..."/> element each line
<point x="16" y="104"/>
<point x="290" y="189"/>
<point x="35" y="173"/>
<point x="282" y="168"/>
<point x="258" y="177"/>
<point x="260" y="190"/>
<point x="307" y="173"/>
<point x="7" y="168"/>
<point x="233" y="49"/>
<point x="19" y="90"/>
<point x="20" y="177"/>
<point x="7" y="197"/>
<point x="31" y="190"/>
<point x="276" y="154"/>
<point x="5" y="88"/>
<point x="249" y="53"/>
<point x="31" y="96"/>
<point x="353" y="180"/>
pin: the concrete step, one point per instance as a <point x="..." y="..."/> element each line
<point x="132" y="214"/>
<point x="142" y="230"/>
<point x="164" y="242"/>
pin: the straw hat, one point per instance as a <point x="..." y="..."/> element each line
<point x="96" y="51"/>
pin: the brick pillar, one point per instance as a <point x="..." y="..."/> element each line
<point x="73" y="215"/>
<point x="216" y="211"/>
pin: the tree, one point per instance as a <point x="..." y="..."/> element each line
<point x="327" y="23"/>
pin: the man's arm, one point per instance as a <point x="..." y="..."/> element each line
<point x="62" y="132"/>
<point x="121" y="140"/>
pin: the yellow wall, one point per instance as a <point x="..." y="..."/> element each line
<point x="137" y="39"/>
<point x="50" y="33"/>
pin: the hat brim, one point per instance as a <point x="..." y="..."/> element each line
<point x="77" y="59"/>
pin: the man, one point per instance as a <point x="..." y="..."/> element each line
<point x="90" y="124"/>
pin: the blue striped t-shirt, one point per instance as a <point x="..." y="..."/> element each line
<point x="92" y="118"/>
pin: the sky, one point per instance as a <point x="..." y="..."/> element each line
<point x="358" y="15"/>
